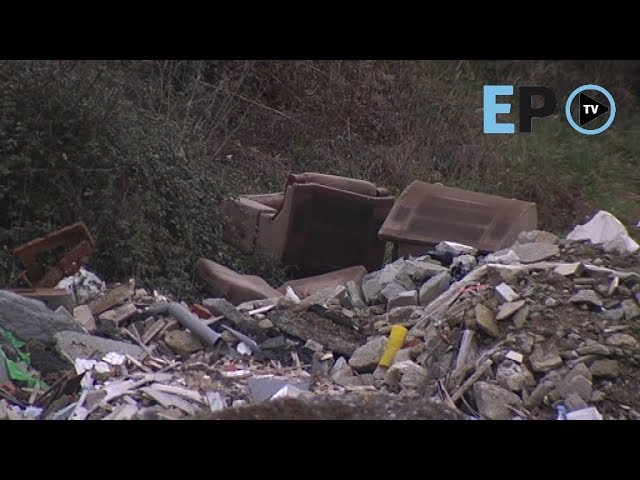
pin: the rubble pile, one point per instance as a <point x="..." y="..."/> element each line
<point x="548" y="328"/>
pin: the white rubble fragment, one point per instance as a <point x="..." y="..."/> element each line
<point x="455" y="248"/>
<point x="605" y="229"/>
<point x="84" y="365"/>
<point x="102" y="367"/>
<point x="243" y="349"/>
<point x="291" y="295"/>
<point x="289" y="391"/>
<point x="215" y="401"/>
<point x="515" y="356"/>
<point x="590" y="413"/>
<point x="236" y="373"/>
<point x="32" y="412"/>
<point x="114" y="358"/>
<point x="507" y="293"/>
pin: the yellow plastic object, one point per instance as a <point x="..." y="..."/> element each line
<point x="396" y="339"/>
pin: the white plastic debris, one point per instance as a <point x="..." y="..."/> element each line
<point x="84" y="284"/>
<point x="605" y="229"/>
<point x="236" y="373"/>
<point x="507" y="293"/>
<point x="590" y="413"/>
<point x="83" y="365"/>
<point x="102" y="367"/>
<point x="32" y="412"/>
<point x="515" y="356"/>
<point x="243" y="349"/>
<point x="114" y="358"/>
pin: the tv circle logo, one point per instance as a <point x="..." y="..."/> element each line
<point x="589" y="108"/>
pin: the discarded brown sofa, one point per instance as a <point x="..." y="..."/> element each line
<point x="426" y="214"/>
<point x="320" y="223"/>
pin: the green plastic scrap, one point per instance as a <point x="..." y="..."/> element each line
<point x="15" y="369"/>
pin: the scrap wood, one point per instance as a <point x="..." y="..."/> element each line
<point x="12" y="399"/>
<point x="179" y="391"/>
<point x="472" y="379"/>
<point x="168" y="400"/>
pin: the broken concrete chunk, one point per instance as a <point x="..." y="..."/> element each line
<point x="404" y="299"/>
<point x="631" y="309"/>
<point x="219" y="306"/>
<point x="514" y="377"/>
<point x="508" y="309"/>
<point x="621" y="340"/>
<point x="30" y="319"/>
<point x="433" y="287"/>
<point x="183" y="342"/>
<point x="538" y="394"/>
<point x="355" y="294"/>
<point x="113" y="297"/>
<point x="594" y="349"/>
<point x="506" y="293"/>
<point x="421" y="270"/>
<point x="568" y="269"/>
<point x="535" y="252"/>
<point x="392" y="290"/>
<point x="615" y="314"/>
<point x="365" y="358"/>
<point x="537" y="236"/>
<point x="407" y="374"/>
<point x="542" y="361"/>
<point x="493" y="401"/>
<point x="84" y="317"/>
<point x="372" y="288"/>
<point x="118" y="315"/>
<point x="605" y="368"/>
<point x="455" y="248"/>
<point x="261" y="389"/>
<point x="484" y="319"/>
<point x="590" y="413"/>
<point x="587" y="297"/>
<point x="521" y="317"/>
<point x="72" y="345"/>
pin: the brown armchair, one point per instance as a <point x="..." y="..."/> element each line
<point x="320" y="222"/>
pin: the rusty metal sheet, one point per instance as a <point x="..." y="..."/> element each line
<point x="76" y="236"/>
<point x="426" y="214"/>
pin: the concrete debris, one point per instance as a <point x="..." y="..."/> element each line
<point x="542" y="329"/>
<point x="590" y="413"/>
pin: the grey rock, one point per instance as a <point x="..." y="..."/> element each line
<point x="538" y="394"/>
<point x="621" y="340"/>
<point x="521" y="317"/>
<point x="597" y="396"/>
<point x="484" y="319"/>
<point x="524" y="343"/>
<point x="365" y="358"/>
<point x="506" y="293"/>
<point x="183" y="342"/>
<point x="605" y="369"/>
<point x="433" y="287"/>
<point x="492" y="401"/>
<point x="536" y="236"/>
<point x="340" y="368"/>
<point x="400" y="314"/>
<point x="407" y="374"/>
<point x="514" y="377"/>
<point x="543" y="361"/>
<point x="404" y="299"/>
<point x="244" y="323"/>
<point x="535" y="252"/>
<point x="372" y="288"/>
<point x="550" y="302"/>
<point x="265" y="324"/>
<point x="575" y="402"/>
<point x="588" y="297"/>
<point x="577" y="386"/>
<point x="392" y="290"/>
<point x="83" y="316"/>
<point x="615" y="314"/>
<point x="464" y="263"/>
<point x="72" y="345"/>
<point x="594" y="349"/>
<point x="420" y="270"/>
<point x="273" y="343"/>
<point x="631" y="309"/>
<point x="508" y="309"/>
<point x="355" y="294"/>
<point x="30" y="319"/>
<point x="402" y="355"/>
<point x="455" y="248"/>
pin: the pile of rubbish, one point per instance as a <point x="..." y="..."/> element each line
<point x="548" y="328"/>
